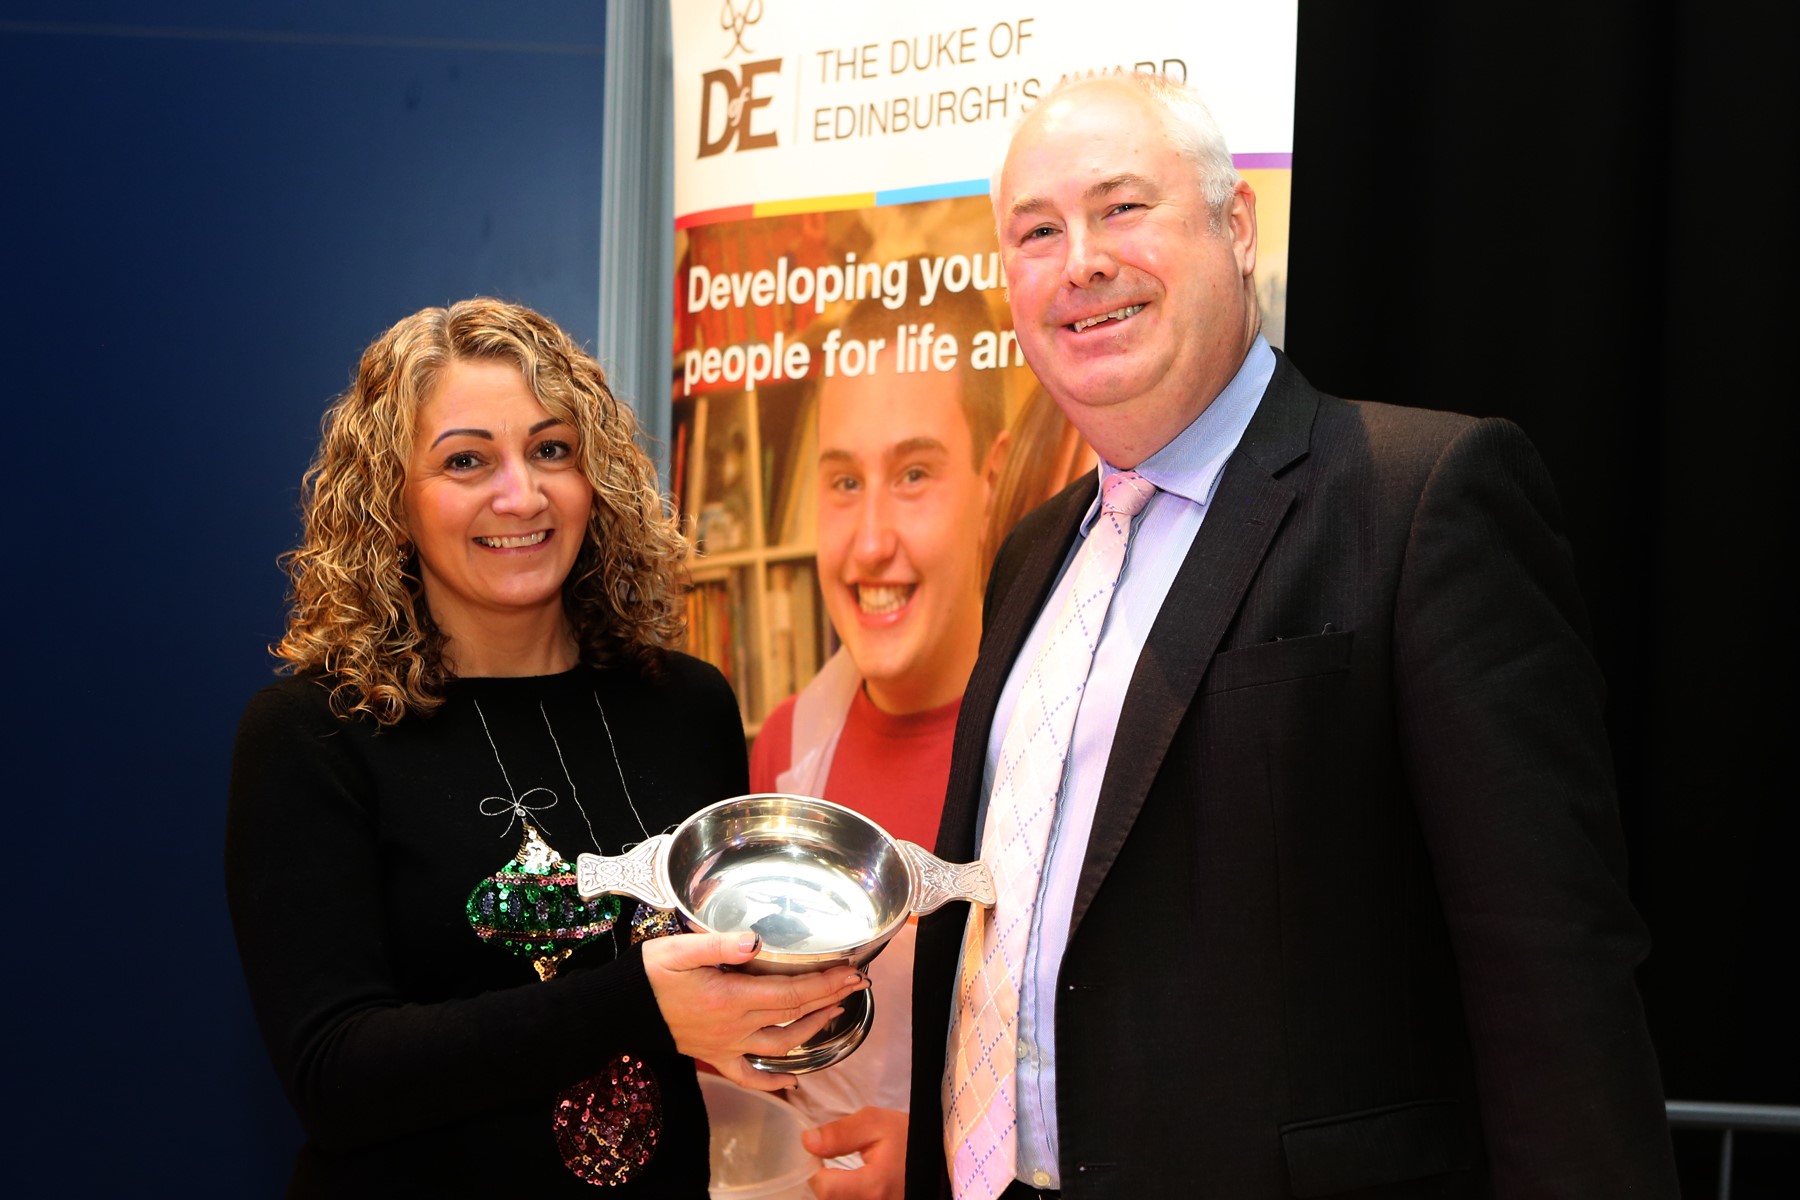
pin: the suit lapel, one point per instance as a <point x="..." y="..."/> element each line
<point x="1245" y="513"/>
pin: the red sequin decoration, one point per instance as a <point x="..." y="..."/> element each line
<point x="607" y="1127"/>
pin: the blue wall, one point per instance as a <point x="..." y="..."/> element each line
<point x="209" y="209"/>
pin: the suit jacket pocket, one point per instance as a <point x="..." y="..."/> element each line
<point x="1274" y="662"/>
<point x="1376" y="1146"/>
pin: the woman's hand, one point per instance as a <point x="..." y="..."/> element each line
<point x="719" y="1016"/>
<point x="879" y="1135"/>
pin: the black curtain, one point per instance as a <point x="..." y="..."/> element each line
<point x="1581" y="216"/>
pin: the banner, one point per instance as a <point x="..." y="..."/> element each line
<point x="833" y="231"/>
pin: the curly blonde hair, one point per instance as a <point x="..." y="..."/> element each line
<point x="357" y="613"/>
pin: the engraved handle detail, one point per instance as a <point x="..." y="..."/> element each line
<point x="935" y="882"/>
<point x="639" y="872"/>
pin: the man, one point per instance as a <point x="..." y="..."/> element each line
<point x="1332" y="899"/>
<point x="906" y="473"/>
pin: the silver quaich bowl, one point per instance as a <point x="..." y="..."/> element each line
<point x="820" y="883"/>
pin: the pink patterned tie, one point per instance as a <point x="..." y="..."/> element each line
<point x="980" y="1121"/>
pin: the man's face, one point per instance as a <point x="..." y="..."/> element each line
<point x="901" y="511"/>
<point x="1130" y="309"/>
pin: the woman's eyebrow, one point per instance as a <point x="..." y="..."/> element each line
<point x="482" y="433"/>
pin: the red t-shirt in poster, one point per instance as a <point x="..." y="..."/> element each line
<point x="890" y="768"/>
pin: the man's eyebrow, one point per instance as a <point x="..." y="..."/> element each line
<point x="912" y="445"/>
<point x="917" y="445"/>
<point x="486" y="435"/>
<point x="1107" y="187"/>
<point x="1028" y="205"/>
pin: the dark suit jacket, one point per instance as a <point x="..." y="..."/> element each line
<point x="1352" y="919"/>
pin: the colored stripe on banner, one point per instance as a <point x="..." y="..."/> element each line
<point x="712" y="216"/>
<point x="782" y="208"/>
<point x="935" y="191"/>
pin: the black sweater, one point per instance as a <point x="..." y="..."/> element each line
<point x="420" y="1059"/>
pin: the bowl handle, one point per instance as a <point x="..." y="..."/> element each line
<point x="935" y="882"/>
<point x="639" y="872"/>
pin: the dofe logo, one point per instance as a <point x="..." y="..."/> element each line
<point x="740" y="104"/>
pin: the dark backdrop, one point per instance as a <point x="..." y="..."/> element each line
<point x="1581" y="216"/>
<point x="209" y="208"/>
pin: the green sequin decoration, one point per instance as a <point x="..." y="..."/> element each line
<point x="532" y="908"/>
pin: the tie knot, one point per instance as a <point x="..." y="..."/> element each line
<point x="1126" y="492"/>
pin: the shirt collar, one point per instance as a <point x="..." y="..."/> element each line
<point x="1190" y="465"/>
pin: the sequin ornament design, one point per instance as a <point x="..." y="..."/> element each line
<point x="530" y="907"/>
<point x="647" y="923"/>
<point x="606" y="1126"/>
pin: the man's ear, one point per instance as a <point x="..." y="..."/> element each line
<point x="991" y="466"/>
<point x="1240" y="224"/>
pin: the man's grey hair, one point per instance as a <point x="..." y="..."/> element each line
<point x="1187" y="121"/>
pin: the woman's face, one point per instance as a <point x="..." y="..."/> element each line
<point x="495" y="502"/>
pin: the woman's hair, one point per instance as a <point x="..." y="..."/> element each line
<point x="357" y="611"/>
<point x="1047" y="455"/>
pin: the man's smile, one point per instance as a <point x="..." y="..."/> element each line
<point x="1117" y="314"/>
<point x="880" y="599"/>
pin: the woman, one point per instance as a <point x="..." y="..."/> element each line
<point x="482" y="689"/>
<point x="1047" y="455"/>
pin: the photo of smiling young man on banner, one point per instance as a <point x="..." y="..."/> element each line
<point x="892" y="462"/>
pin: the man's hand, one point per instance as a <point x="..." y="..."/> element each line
<point x="879" y="1135"/>
<point x="719" y="1016"/>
